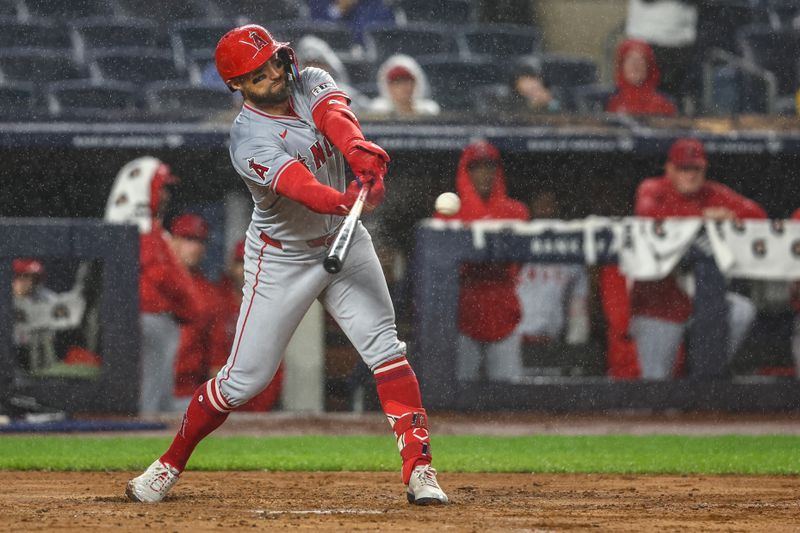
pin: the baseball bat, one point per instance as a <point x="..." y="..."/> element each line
<point x="341" y="245"/>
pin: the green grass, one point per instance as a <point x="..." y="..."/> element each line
<point x="555" y="454"/>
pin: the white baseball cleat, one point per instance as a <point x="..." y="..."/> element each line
<point x="154" y="484"/>
<point x="423" y="489"/>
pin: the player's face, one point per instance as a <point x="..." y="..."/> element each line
<point x="190" y="252"/>
<point x="634" y="68"/>
<point x="686" y="179"/>
<point x="267" y="85"/>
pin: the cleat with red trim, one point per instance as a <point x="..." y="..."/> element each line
<point x="154" y="484"/>
<point x="423" y="489"/>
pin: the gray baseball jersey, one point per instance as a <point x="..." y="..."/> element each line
<point x="286" y="243"/>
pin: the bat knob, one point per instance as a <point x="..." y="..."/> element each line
<point x="333" y="265"/>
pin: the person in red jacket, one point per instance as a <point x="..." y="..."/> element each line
<point x="488" y="308"/>
<point x="661" y="309"/>
<point x="189" y="239"/>
<point x="637" y="77"/>
<point x="223" y="330"/>
<point x="167" y="296"/>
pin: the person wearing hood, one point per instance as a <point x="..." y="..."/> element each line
<point x="404" y="89"/>
<point x="167" y="297"/>
<point x="528" y="91"/>
<point x="314" y="52"/>
<point x="488" y="308"/>
<point x="637" y="77"/>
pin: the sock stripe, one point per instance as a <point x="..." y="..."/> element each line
<point x="220" y="398"/>
<point x="212" y="399"/>
<point x="391" y="365"/>
<point x="395" y="374"/>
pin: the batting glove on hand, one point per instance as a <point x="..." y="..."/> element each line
<point x="366" y="159"/>
<point x="373" y="199"/>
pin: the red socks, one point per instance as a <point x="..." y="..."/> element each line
<point x="398" y="391"/>
<point x="206" y="412"/>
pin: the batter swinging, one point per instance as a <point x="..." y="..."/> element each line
<point x="289" y="144"/>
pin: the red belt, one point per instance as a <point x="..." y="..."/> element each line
<point x="325" y="240"/>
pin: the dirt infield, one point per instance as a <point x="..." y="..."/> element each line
<point x="344" y="501"/>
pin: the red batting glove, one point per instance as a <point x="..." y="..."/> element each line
<point x="375" y="195"/>
<point x="349" y="197"/>
<point x="366" y="159"/>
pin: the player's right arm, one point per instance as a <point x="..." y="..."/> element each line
<point x="268" y="165"/>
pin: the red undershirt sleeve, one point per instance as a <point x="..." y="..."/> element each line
<point x="299" y="184"/>
<point x="336" y="121"/>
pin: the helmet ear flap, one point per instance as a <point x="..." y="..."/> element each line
<point x="286" y="55"/>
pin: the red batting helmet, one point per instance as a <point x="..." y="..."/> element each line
<point x="246" y="48"/>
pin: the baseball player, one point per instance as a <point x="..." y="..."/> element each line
<point x="289" y="144"/>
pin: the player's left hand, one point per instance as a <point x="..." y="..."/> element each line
<point x="375" y="195"/>
<point x="366" y="159"/>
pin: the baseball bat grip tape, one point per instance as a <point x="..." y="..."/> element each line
<point x="337" y="253"/>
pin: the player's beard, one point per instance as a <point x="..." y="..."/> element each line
<point x="271" y="98"/>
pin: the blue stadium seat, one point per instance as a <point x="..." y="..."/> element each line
<point x="568" y="71"/>
<point x="591" y="99"/>
<point x="9" y="9"/>
<point x="360" y="70"/>
<point x="30" y="64"/>
<point x="70" y="9"/>
<point x="456" y="12"/>
<point x="96" y="34"/>
<point x="264" y="12"/>
<point x="501" y="40"/>
<point x="416" y="41"/>
<point x="198" y="38"/>
<point x="453" y="81"/>
<point x="169" y="11"/>
<point x="135" y="66"/>
<point x="17" y="101"/>
<point x="338" y="37"/>
<point x="774" y="50"/>
<point x="185" y="101"/>
<point x="39" y="34"/>
<point x="101" y="101"/>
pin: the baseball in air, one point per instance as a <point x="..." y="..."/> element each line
<point x="447" y="203"/>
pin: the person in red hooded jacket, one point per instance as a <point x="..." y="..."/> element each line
<point x="488" y="308"/>
<point x="167" y="296"/>
<point x="223" y="330"/>
<point x="661" y="309"/>
<point x="637" y="77"/>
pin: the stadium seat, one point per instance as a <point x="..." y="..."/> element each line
<point x="135" y="65"/>
<point x="38" y="34"/>
<point x="437" y="11"/>
<point x="489" y="100"/>
<point x="718" y="22"/>
<point x="103" y="101"/>
<point x="197" y="38"/>
<point x="568" y="71"/>
<point x="774" y="50"/>
<point x="169" y="11"/>
<point x="259" y="11"/>
<point x="591" y="99"/>
<point x="17" y="101"/>
<point x="452" y="81"/>
<point x="29" y="64"/>
<point x="416" y="41"/>
<point x="9" y="9"/>
<point x="360" y="70"/>
<point x="184" y="101"/>
<point x="95" y="34"/>
<point x="501" y="40"/>
<point x="70" y="9"/>
<point x="338" y="37"/>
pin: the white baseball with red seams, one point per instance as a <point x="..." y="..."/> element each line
<point x="447" y="203"/>
<point x="286" y="243"/>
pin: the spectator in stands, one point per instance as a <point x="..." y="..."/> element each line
<point x="553" y="296"/>
<point x="670" y="28"/>
<point x="167" y="296"/>
<point x="529" y="91"/>
<point x="357" y="14"/>
<point x="189" y="238"/>
<point x="314" y="52"/>
<point x="223" y="330"/>
<point x="661" y="309"/>
<point x="637" y="77"/>
<point x="404" y="89"/>
<point x="33" y="338"/>
<point x="488" y="308"/>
